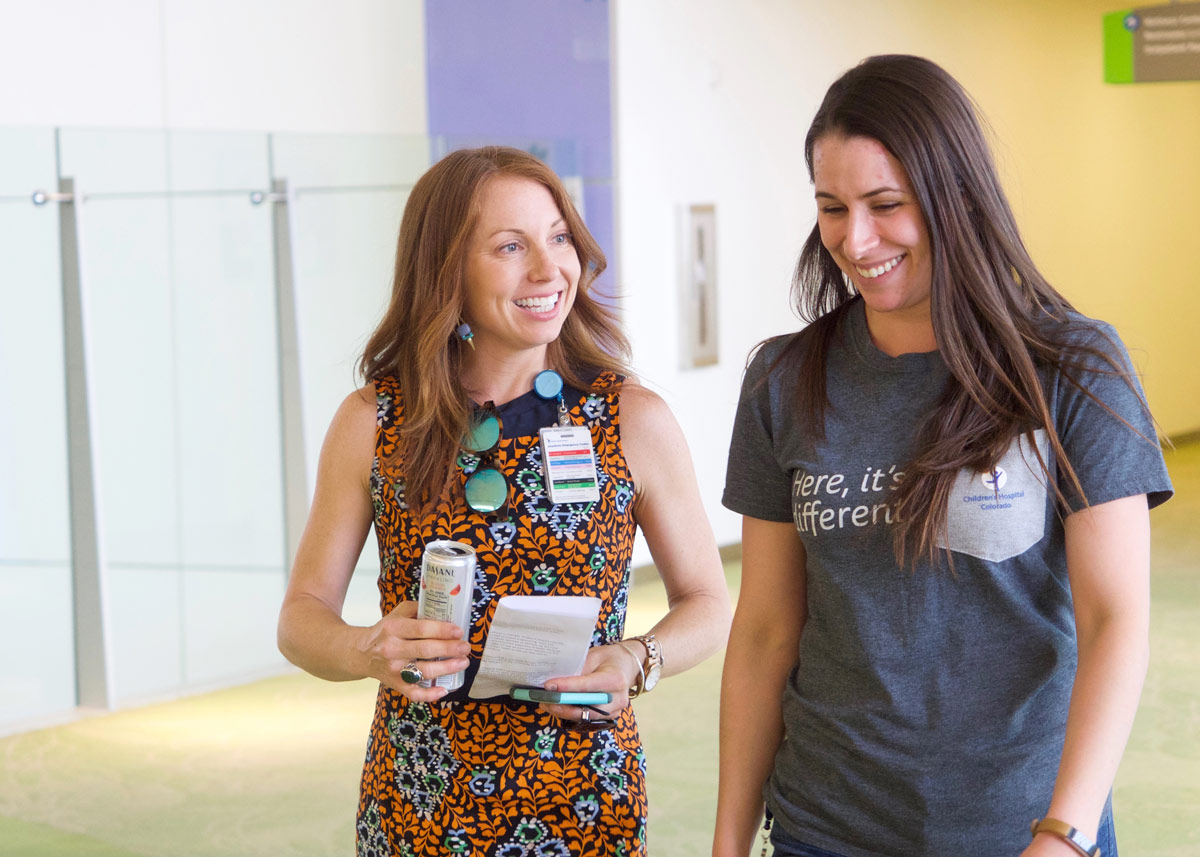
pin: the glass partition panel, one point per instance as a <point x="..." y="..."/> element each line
<point x="227" y="384"/>
<point x="179" y="282"/>
<point x="344" y="247"/>
<point x="181" y="321"/>
<point x="36" y="601"/>
<point x="129" y="313"/>
<point x="222" y="275"/>
<point x="229" y="442"/>
<point x="223" y="162"/>
<point x="114" y="161"/>
<point x="28" y="163"/>
<point x="229" y="620"/>
<point x="350" y="195"/>
<point x="129" y="307"/>
<point x="342" y="161"/>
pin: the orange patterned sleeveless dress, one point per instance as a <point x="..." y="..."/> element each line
<point x="467" y="777"/>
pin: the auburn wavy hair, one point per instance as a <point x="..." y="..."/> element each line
<point x="415" y="340"/>
<point x="996" y="319"/>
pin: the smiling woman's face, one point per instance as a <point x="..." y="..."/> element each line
<point x="522" y="270"/>
<point x="872" y="225"/>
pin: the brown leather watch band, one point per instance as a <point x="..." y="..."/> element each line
<point x="1067" y="833"/>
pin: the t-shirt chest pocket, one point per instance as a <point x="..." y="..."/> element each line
<point x="997" y="515"/>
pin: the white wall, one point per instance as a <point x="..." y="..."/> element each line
<point x="711" y="106"/>
<point x="354" y="66"/>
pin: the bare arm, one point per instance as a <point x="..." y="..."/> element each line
<point x="1108" y="561"/>
<point x="311" y="631"/>
<point x="762" y="650"/>
<point x="671" y="516"/>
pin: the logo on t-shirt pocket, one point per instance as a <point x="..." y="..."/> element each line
<point x="1000" y="513"/>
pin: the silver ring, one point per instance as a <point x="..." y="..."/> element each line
<point x="412" y="673"/>
<point x="586" y="716"/>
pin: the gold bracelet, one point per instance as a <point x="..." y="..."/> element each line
<point x="636" y="690"/>
<point x="1067" y="833"/>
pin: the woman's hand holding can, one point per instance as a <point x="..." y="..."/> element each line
<point x="400" y="647"/>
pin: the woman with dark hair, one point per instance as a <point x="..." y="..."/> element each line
<point x="944" y="481"/>
<point x="492" y="327"/>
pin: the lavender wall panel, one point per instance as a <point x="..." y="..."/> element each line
<point x="532" y="74"/>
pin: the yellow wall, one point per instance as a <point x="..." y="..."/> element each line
<point x="1105" y="179"/>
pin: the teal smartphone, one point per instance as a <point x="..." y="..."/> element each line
<point x="559" y="697"/>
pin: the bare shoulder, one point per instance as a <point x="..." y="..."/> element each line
<point x="350" y="441"/>
<point x="357" y="412"/>
<point x="642" y="408"/>
<point x="643" y="413"/>
<point x="651" y="438"/>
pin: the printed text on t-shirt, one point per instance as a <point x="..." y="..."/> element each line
<point x="818" y="500"/>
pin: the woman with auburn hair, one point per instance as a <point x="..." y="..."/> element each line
<point x="492" y="328"/>
<point x="944" y="481"/>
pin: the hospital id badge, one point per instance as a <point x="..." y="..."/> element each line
<point x="570" y="464"/>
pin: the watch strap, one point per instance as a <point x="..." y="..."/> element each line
<point x="1067" y="833"/>
<point x="654" y="660"/>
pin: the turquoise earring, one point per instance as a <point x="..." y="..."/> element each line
<point x="463" y="332"/>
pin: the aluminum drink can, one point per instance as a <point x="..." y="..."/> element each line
<point x="447" y="591"/>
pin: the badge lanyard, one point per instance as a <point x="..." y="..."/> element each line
<point x="568" y="459"/>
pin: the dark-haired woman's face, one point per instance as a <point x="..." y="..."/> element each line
<point x="871" y="223"/>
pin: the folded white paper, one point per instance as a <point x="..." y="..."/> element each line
<point x="534" y="638"/>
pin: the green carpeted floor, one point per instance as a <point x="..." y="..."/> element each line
<point x="272" y="768"/>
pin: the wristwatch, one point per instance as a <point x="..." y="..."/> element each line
<point x="651" y="666"/>
<point x="1067" y="833"/>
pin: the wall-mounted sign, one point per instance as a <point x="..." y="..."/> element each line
<point x="1152" y="43"/>
<point x="698" y="292"/>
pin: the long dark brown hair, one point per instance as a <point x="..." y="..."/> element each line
<point x="415" y="341"/>
<point x="996" y="319"/>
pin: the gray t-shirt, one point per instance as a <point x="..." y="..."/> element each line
<point x="926" y="712"/>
